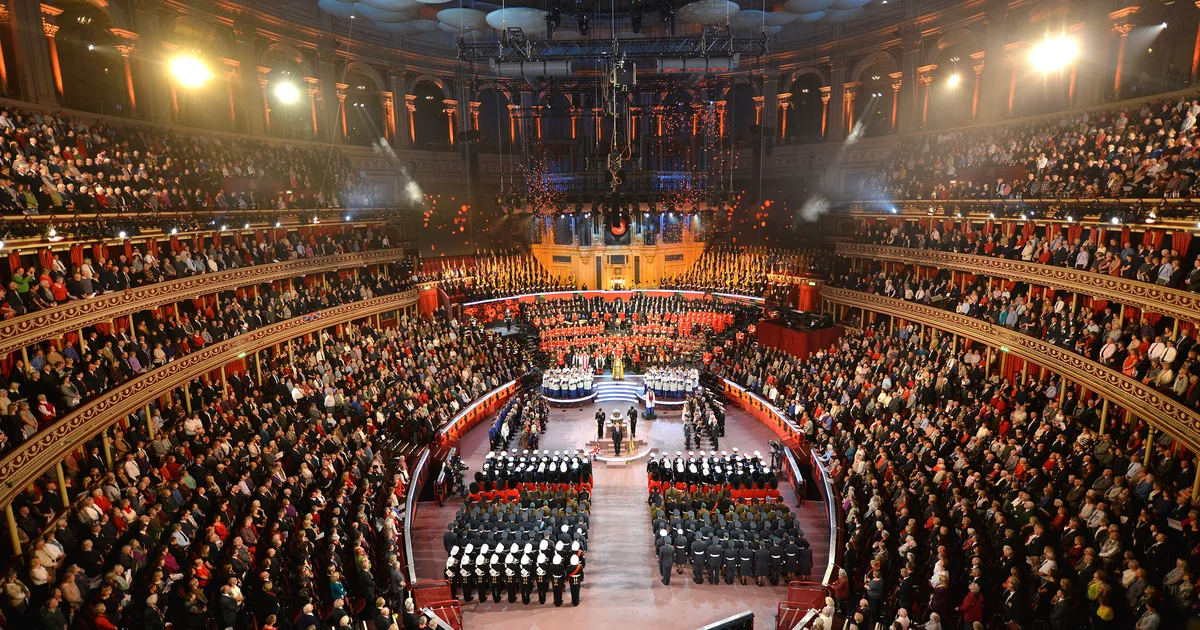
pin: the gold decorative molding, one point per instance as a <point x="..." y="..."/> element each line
<point x="1162" y="411"/>
<point x="51" y="323"/>
<point x="51" y="445"/>
<point x="1143" y="295"/>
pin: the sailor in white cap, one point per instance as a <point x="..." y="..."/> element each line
<point x="575" y="577"/>
<point x="557" y="573"/>
<point x="510" y="572"/>
<point x="527" y="569"/>
<point x="481" y="572"/>
<point x="452" y="575"/>
<point x="495" y="571"/>
<point x="467" y="572"/>
<point x="543" y="571"/>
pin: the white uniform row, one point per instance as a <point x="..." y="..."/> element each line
<point x="567" y="383"/>
<point x="672" y="382"/>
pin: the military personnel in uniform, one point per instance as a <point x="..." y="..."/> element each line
<point x="543" y="571"/>
<point x="699" y="557"/>
<point x="511" y="567"/>
<point x="762" y="563"/>
<point x="687" y="433"/>
<point x="776" y="563"/>
<point x="482" y="580"/>
<point x="745" y="563"/>
<point x="618" y="435"/>
<point x="575" y="576"/>
<point x="557" y="573"/>
<point x="527" y="568"/>
<point x="496" y="571"/>
<point x="730" y="563"/>
<point x="468" y="573"/>
<point x="666" y="557"/>
<point x="633" y="418"/>
<point x="452" y="572"/>
<point x="681" y="551"/>
<point x="599" y="424"/>
<point x="716" y="557"/>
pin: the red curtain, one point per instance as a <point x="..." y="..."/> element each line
<point x="1153" y="238"/>
<point x="1097" y="235"/>
<point x="1150" y="317"/>
<point x="1180" y="241"/>
<point x="198" y="242"/>
<point x="1012" y="368"/>
<point x="948" y="225"/>
<point x="1074" y="233"/>
<point x="1028" y="230"/>
<point x="1052" y="231"/>
<point x="14" y="260"/>
<point x="1098" y="305"/>
<point x="174" y="245"/>
<point x="76" y="255"/>
<point x="100" y="252"/>
<point x="152" y="246"/>
<point x="258" y="237"/>
<point x="128" y="250"/>
<point x="46" y="258"/>
<point x="794" y="342"/>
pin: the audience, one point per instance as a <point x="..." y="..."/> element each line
<point x="957" y="483"/>
<point x="490" y="274"/>
<point x="53" y="164"/>
<point x="283" y="500"/>
<point x="31" y="289"/>
<point x="744" y="270"/>
<point x="1142" y="152"/>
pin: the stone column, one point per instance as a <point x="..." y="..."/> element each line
<point x="993" y="82"/>
<point x="1195" y="75"/>
<point x="824" y="110"/>
<point x="341" y="97"/>
<point x="851" y="93"/>
<point x="389" y="116"/>
<point x="909" y="110"/>
<point x="978" y="68"/>
<point x="759" y="103"/>
<point x="233" y="78"/>
<point x="49" y="14"/>
<point x="151" y="75"/>
<point x="897" y="83"/>
<point x="314" y="93"/>
<point x="451" y="111"/>
<point x="127" y="48"/>
<point x="262" y="73"/>
<point x="253" y="102"/>
<point x="835" y="126"/>
<point x="327" y="108"/>
<point x="34" y="73"/>
<point x="401" y="121"/>
<point x="1122" y="25"/>
<point x="5" y="17"/>
<point x="785" y="103"/>
<point x="925" y="76"/>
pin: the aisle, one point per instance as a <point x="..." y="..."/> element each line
<point x="622" y="584"/>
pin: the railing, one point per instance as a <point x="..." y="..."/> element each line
<point x="833" y="511"/>
<point x="1148" y="297"/>
<point x="420" y="473"/>
<point x="23" y="331"/>
<point x="1166" y="413"/>
<point x="51" y="445"/>
<point x="799" y="484"/>
<point x="763" y="410"/>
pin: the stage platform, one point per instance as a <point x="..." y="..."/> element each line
<point x="622" y="586"/>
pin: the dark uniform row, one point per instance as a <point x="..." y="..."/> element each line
<point x="514" y="569"/>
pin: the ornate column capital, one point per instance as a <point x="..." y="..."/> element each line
<point x="263" y="71"/>
<point x="126" y="50"/>
<point x="341" y="91"/>
<point x="451" y="106"/>
<point x="897" y="80"/>
<point x="313" y="83"/>
<point x="825" y="94"/>
<point x="4" y="14"/>
<point x="852" y="90"/>
<point x="124" y="34"/>
<point x="232" y="69"/>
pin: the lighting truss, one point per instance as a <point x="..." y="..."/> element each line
<point x="714" y="42"/>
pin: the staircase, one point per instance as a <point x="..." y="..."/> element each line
<point x="621" y="393"/>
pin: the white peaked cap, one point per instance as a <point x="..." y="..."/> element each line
<point x="574" y="560"/>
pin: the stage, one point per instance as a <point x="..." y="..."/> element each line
<point x="622" y="584"/>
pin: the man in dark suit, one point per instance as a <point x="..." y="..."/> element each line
<point x="618" y="436"/>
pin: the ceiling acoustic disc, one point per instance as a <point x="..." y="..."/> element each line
<point x="748" y="18"/>
<point x="408" y="29"/>
<point x="433" y="1"/>
<point x="834" y="16"/>
<point x="806" y="6"/>
<point x="780" y="18"/>
<point x="809" y="18"/>
<point x="532" y="21"/>
<point x="463" y="19"/>
<point x="708" y="11"/>
<point x="390" y="5"/>
<point x="424" y="26"/>
<point x="379" y="15"/>
<point x="340" y="9"/>
<point x="843" y="5"/>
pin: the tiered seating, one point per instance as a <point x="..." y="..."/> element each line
<point x="496" y="274"/>
<point x="1143" y="151"/>
<point x="746" y="270"/>
<point x="271" y="487"/>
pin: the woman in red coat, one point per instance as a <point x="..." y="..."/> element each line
<point x="971" y="607"/>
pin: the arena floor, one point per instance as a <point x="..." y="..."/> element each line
<point x="622" y="584"/>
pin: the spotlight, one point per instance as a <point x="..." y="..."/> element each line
<point x="91" y="47"/>
<point x="287" y="92"/>
<point x="1070" y="219"/>
<point x="189" y="71"/>
<point x="1054" y="53"/>
<point x="1" y="244"/>
<point x="954" y="80"/>
<point x="174" y="231"/>
<point x="583" y="24"/>
<point x="224" y="227"/>
<point x="1115" y="221"/>
<point x="278" y="224"/>
<point x="991" y="215"/>
<point x="347" y="217"/>
<point x="247" y="226"/>
<point x="121" y="234"/>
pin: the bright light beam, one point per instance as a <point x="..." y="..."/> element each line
<point x="189" y="71"/>
<point x="1055" y="52"/>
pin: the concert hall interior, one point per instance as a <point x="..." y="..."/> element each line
<point x="585" y="314"/>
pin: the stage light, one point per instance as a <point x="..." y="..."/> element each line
<point x="287" y="92"/>
<point x="1070" y="219"/>
<point x="189" y="71"/>
<point x="1" y="244"/>
<point x="583" y="25"/>
<point x="174" y="231"/>
<point x="347" y="217"/>
<point x="1054" y="53"/>
<point x="279" y="224"/>
<point x="121" y="234"/>
<point x="1115" y="221"/>
<point x="954" y="80"/>
<point x="224" y="227"/>
<point x="247" y="226"/>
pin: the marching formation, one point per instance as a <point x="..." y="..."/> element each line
<point x="524" y="526"/>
